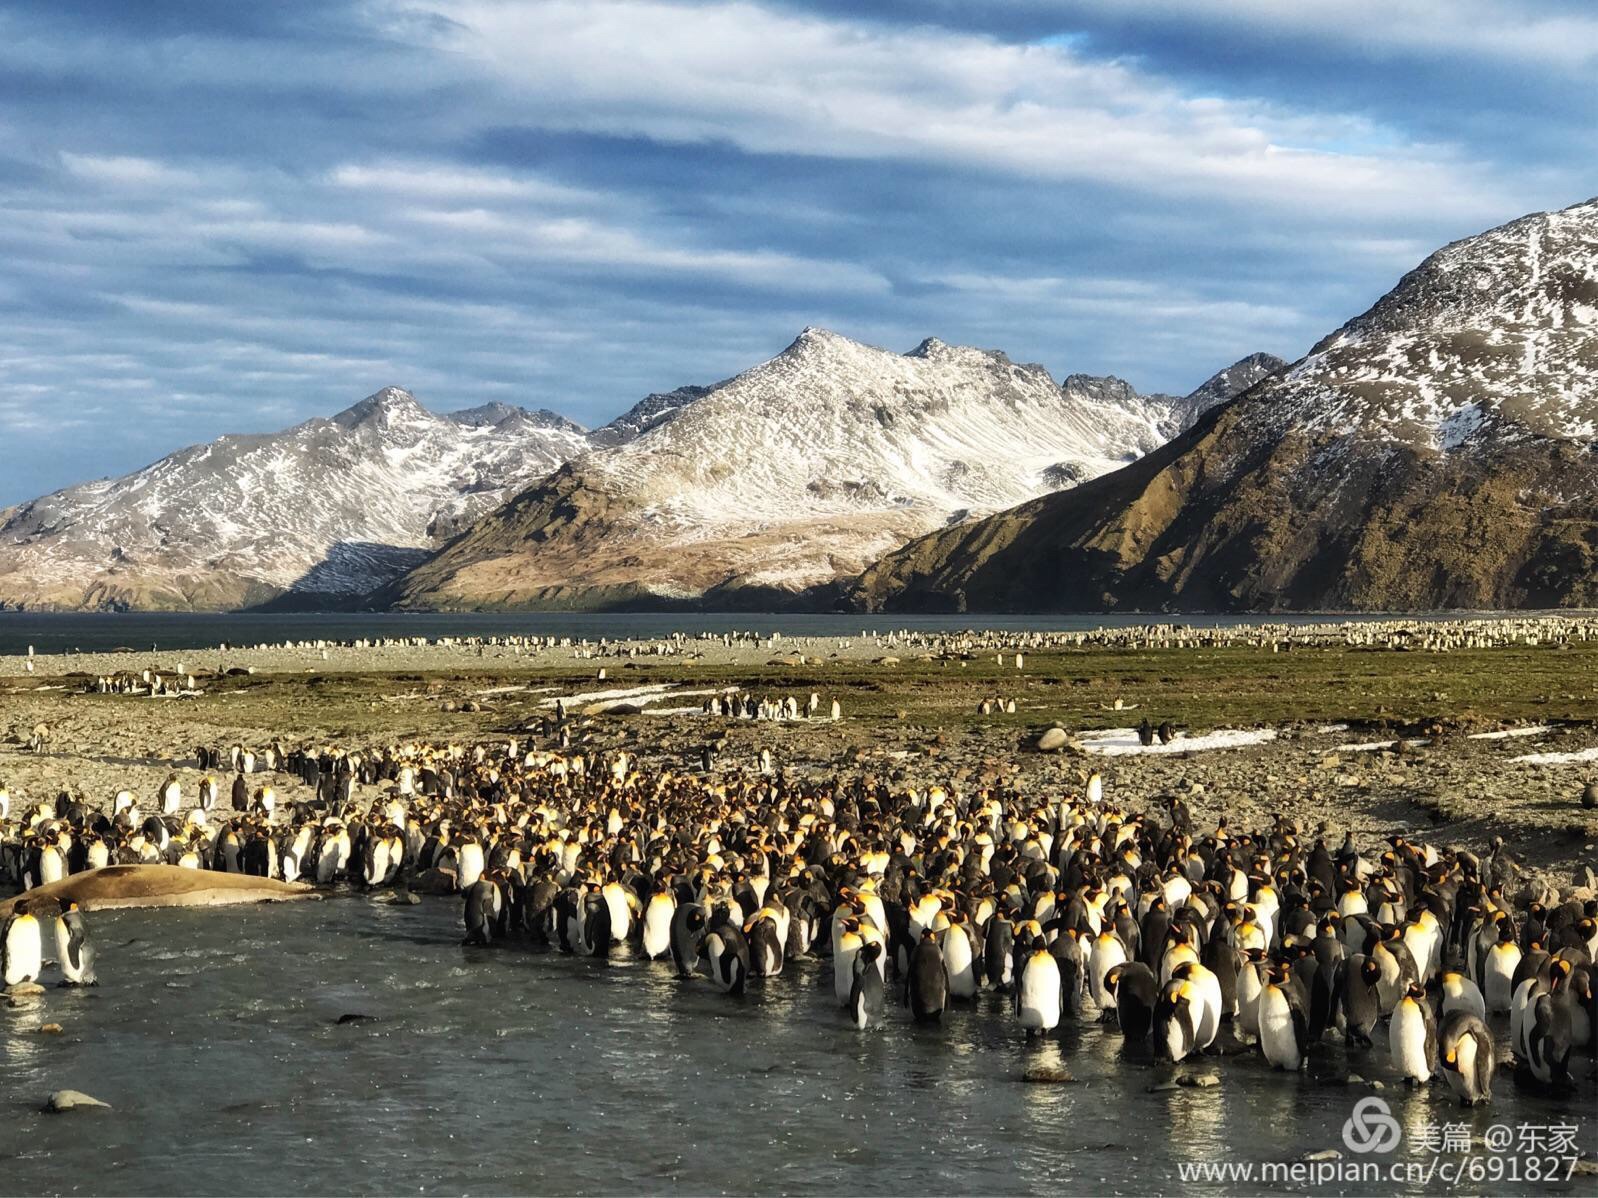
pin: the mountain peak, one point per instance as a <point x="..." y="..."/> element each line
<point x="486" y="414"/>
<point x="495" y="413"/>
<point x="813" y="338"/>
<point x="1233" y="381"/>
<point x="1102" y="388"/>
<point x="655" y="409"/>
<point x="327" y="507"/>
<point x="1435" y="452"/>
<point x="387" y="406"/>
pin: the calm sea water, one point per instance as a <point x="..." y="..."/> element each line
<point x="50" y="632"/>
<point x="214" y="1036"/>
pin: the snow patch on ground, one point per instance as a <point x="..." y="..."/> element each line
<point x="1507" y="733"/>
<point x="1557" y="758"/>
<point x="1372" y="746"/>
<point x="625" y="692"/>
<point x="1123" y="742"/>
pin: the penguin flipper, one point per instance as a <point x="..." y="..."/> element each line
<point x="1300" y="1029"/>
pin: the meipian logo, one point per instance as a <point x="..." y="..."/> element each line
<point x="1371" y="1128"/>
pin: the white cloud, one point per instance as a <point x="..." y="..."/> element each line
<point x="122" y="171"/>
<point x="449" y="182"/>
<point x="1433" y="29"/>
<point x="777" y="82"/>
<point x="587" y="241"/>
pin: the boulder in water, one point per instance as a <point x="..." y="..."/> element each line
<point x="1047" y="1075"/>
<point x="434" y="881"/>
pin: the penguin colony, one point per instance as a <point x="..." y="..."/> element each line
<point x="1008" y="646"/>
<point x="1189" y="941"/>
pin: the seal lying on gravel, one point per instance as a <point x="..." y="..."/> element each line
<point x="158" y="886"/>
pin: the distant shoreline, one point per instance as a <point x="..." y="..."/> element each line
<point x="166" y="632"/>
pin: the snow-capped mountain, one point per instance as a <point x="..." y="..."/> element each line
<point x="1228" y="384"/>
<point x="331" y="507"/>
<point x="644" y="415"/>
<point x="791" y="476"/>
<point x="1440" y="450"/>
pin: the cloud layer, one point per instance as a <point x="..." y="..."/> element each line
<point x="227" y="218"/>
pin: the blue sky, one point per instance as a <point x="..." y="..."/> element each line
<point x="229" y="217"/>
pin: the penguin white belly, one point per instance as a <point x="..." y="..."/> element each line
<point x="1039" y="997"/>
<point x="1107" y="954"/>
<point x="1176" y="1043"/>
<point x="877" y="912"/>
<point x="1422" y="945"/>
<point x="1207" y="1009"/>
<point x="336" y="859"/>
<point x="1406" y="1034"/>
<point x="958" y="961"/>
<point x="843" y="969"/>
<point x="1265" y="920"/>
<point x="376" y="863"/>
<point x="24" y="950"/>
<point x="621" y="916"/>
<point x="1520" y="1020"/>
<point x="1278" y="1037"/>
<point x="657" y="926"/>
<point x="1465" y="1068"/>
<point x="1500" y="974"/>
<point x="51" y="866"/>
<point x="470" y="862"/>
<point x="1389" y="986"/>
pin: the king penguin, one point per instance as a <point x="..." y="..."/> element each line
<point x="687" y="929"/>
<point x="1362" y="1006"/>
<point x="927" y="984"/>
<point x="1283" y="1021"/>
<point x="724" y="957"/>
<point x="1466" y="1056"/>
<point x="1412" y="1037"/>
<point x="657" y="923"/>
<point x="21" y="947"/>
<point x="866" y="1001"/>
<point x="72" y="947"/>
<point x="1037" y="995"/>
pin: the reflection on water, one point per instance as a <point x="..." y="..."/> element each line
<point x="525" y="1071"/>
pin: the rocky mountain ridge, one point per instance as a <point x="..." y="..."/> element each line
<point x="1438" y="451"/>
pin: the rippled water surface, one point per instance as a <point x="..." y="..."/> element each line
<point x="214" y="1035"/>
